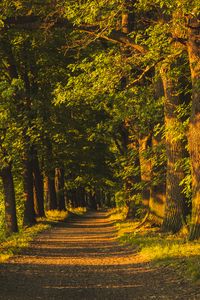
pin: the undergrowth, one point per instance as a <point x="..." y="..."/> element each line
<point x="17" y="241"/>
<point x="78" y="210"/>
<point x="159" y="248"/>
<point x="56" y="215"/>
<point x="118" y="214"/>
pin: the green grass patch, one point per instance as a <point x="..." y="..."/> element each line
<point x="162" y="249"/>
<point x="78" y="210"/>
<point x="16" y="242"/>
<point x="118" y="214"/>
<point x="56" y="215"/>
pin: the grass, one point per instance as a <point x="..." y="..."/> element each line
<point x="78" y="210"/>
<point x="161" y="249"/>
<point x="56" y="215"/>
<point x="118" y="214"/>
<point x="16" y="242"/>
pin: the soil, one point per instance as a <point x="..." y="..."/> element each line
<point x="81" y="259"/>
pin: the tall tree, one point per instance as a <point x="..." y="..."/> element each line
<point x="9" y="198"/>
<point x="174" y="217"/>
<point x="194" y="126"/>
<point x="29" y="211"/>
<point x="38" y="185"/>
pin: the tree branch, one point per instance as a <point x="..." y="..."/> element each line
<point x="115" y="37"/>
<point x="35" y="22"/>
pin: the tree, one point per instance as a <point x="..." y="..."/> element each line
<point x="105" y="80"/>
<point x="194" y="127"/>
<point x="174" y="217"/>
<point x="9" y="196"/>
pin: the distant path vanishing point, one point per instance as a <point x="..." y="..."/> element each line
<point x="81" y="259"/>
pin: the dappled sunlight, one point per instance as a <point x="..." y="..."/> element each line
<point x="77" y="261"/>
<point x="96" y="287"/>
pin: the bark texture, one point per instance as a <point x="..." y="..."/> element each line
<point x="9" y="198"/>
<point x="175" y="150"/>
<point x="158" y="184"/>
<point x="38" y="186"/>
<point x="145" y="169"/>
<point x="52" y="198"/>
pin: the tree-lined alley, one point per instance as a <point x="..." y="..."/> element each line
<point x="100" y="106"/>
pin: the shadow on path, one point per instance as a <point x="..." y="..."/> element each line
<point x="82" y="260"/>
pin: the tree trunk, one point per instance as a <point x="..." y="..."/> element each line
<point x="82" y="197"/>
<point x="175" y="150"/>
<point x="51" y="190"/>
<point x="9" y="198"/>
<point x="29" y="212"/>
<point x="153" y="192"/>
<point x="92" y="201"/>
<point x="38" y="186"/>
<point x="132" y="182"/>
<point x="158" y="184"/>
<point x="145" y="169"/>
<point x="127" y="23"/>
<point x="194" y="126"/>
<point x="60" y="186"/>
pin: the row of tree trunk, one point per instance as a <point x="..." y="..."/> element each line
<point x="43" y="192"/>
<point x="175" y="209"/>
<point x="33" y="183"/>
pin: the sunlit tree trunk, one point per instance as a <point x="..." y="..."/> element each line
<point x="9" y="199"/>
<point x="158" y="169"/>
<point x="29" y="212"/>
<point x="60" y="182"/>
<point x="145" y="169"/>
<point x="127" y="23"/>
<point x="153" y="191"/>
<point x="194" y="126"/>
<point x="158" y="183"/>
<point x="129" y="149"/>
<point x="129" y="145"/>
<point x="175" y="150"/>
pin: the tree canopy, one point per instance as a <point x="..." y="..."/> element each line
<point x="99" y="106"/>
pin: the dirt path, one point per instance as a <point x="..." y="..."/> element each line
<point x="82" y="260"/>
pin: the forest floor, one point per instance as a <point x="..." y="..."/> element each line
<point x="82" y="259"/>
